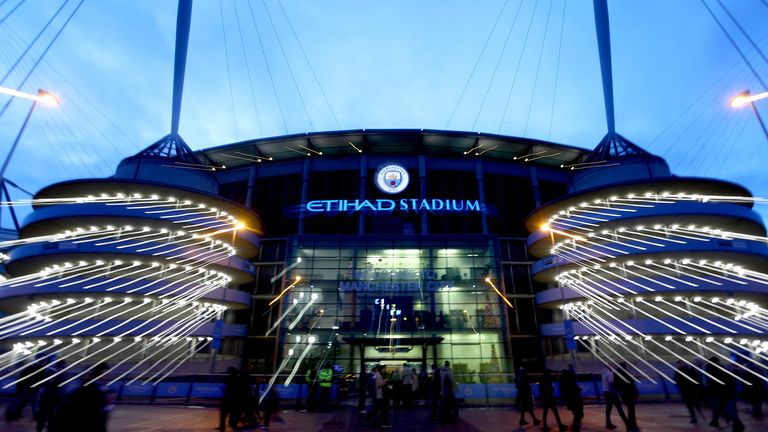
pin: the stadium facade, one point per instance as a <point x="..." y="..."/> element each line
<point x="392" y="246"/>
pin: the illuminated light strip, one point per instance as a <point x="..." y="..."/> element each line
<point x="739" y="323"/>
<point x="310" y="340"/>
<point x="173" y="369"/>
<point x="157" y="340"/>
<point x="610" y="240"/>
<point x="71" y="365"/>
<point x="31" y="311"/>
<point x="157" y="323"/>
<point x="23" y="358"/>
<point x="676" y="232"/>
<point x="306" y="307"/>
<point x="664" y="274"/>
<point x="608" y="207"/>
<point x="137" y="340"/>
<point x="661" y="299"/>
<point x="502" y="296"/>
<point x="182" y="346"/>
<point x="582" y="210"/>
<point x="98" y="268"/>
<point x="282" y="293"/>
<point x="582" y="163"/>
<point x="74" y="305"/>
<point x="283" y="364"/>
<point x="712" y="363"/>
<point x="630" y="263"/>
<point x="613" y="265"/>
<point x="609" y="289"/>
<point x="696" y="267"/>
<point x="608" y="281"/>
<point x="677" y="270"/>
<point x="24" y="378"/>
<point x="142" y="233"/>
<point x="96" y="305"/>
<point x="660" y="321"/>
<point x="90" y="316"/>
<point x="139" y="279"/>
<point x="616" y="233"/>
<point x="591" y="294"/>
<point x="133" y="265"/>
<point x="282" y="317"/>
<point x="729" y="330"/>
<point x="141" y="304"/>
<point x="666" y="239"/>
<point x="578" y="256"/>
<point x="214" y="284"/>
<point x="735" y="363"/>
<point x="735" y="351"/>
<point x="525" y="156"/>
<point x="634" y="354"/>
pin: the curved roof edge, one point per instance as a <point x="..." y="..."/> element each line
<point x="380" y="141"/>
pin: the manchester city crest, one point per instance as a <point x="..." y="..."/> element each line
<point x="392" y="179"/>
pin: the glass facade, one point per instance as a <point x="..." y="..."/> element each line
<point x="397" y="292"/>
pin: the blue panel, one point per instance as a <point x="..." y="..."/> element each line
<point x="472" y="391"/>
<point x="172" y="390"/>
<point x="290" y="392"/>
<point x="9" y="390"/>
<point x="208" y="390"/>
<point x="649" y="388"/>
<point x="502" y="391"/>
<point x="137" y="390"/>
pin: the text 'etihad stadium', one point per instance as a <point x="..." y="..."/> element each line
<point x="405" y="204"/>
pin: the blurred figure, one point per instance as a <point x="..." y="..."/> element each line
<point x="434" y="390"/>
<point x="271" y="408"/>
<point x="230" y="401"/>
<point x="731" y="410"/>
<point x="325" y="377"/>
<point x="25" y="393"/>
<point x="382" y="398"/>
<point x="87" y="408"/>
<point x="716" y="388"/>
<point x="524" y="400"/>
<point x="755" y="394"/>
<point x="449" y="409"/>
<point x="625" y="385"/>
<point x="687" y="387"/>
<point x="611" y="396"/>
<point x="548" y="401"/>
<point x="310" y="379"/>
<point x="370" y="383"/>
<point x="406" y="386"/>
<point x="50" y="394"/>
<point x="249" y="396"/>
<point x="571" y="394"/>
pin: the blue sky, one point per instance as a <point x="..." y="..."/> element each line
<point x="394" y="64"/>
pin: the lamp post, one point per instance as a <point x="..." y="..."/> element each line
<point x="745" y="98"/>
<point x="43" y="97"/>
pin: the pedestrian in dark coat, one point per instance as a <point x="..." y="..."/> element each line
<point x="524" y="400"/>
<point x="230" y="401"/>
<point x="548" y="401"/>
<point x="571" y="394"/>
<point x="87" y="408"/>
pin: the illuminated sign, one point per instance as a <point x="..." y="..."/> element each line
<point x="392" y="179"/>
<point x="403" y="281"/>
<point x="387" y="205"/>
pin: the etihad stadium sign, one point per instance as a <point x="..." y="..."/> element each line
<point x="388" y="205"/>
<point x="393" y="178"/>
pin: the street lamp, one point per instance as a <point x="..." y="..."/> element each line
<point x="43" y="97"/>
<point x="745" y="98"/>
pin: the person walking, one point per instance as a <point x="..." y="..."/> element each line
<point x="687" y="387"/>
<point x="25" y="393"/>
<point x="571" y="394"/>
<point x="731" y="410"/>
<point x="50" y="395"/>
<point x="548" y="401"/>
<point x="271" y="408"/>
<point x="625" y="385"/>
<point x="449" y="408"/>
<point x="406" y="387"/>
<point x="325" y="377"/>
<point x="612" y="399"/>
<point x="87" y="408"/>
<point x="230" y="401"/>
<point x="310" y="379"/>
<point x="716" y="388"/>
<point x="524" y="400"/>
<point x="382" y="399"/>
<point x="434" y="391"/>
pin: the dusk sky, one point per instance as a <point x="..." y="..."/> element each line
<point x="394" y="64"/>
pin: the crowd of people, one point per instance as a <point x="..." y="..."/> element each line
<point x="85" y="409"/>
<point x="243" y="406"/>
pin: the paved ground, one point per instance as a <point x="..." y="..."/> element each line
<point x="157" y="418"/>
